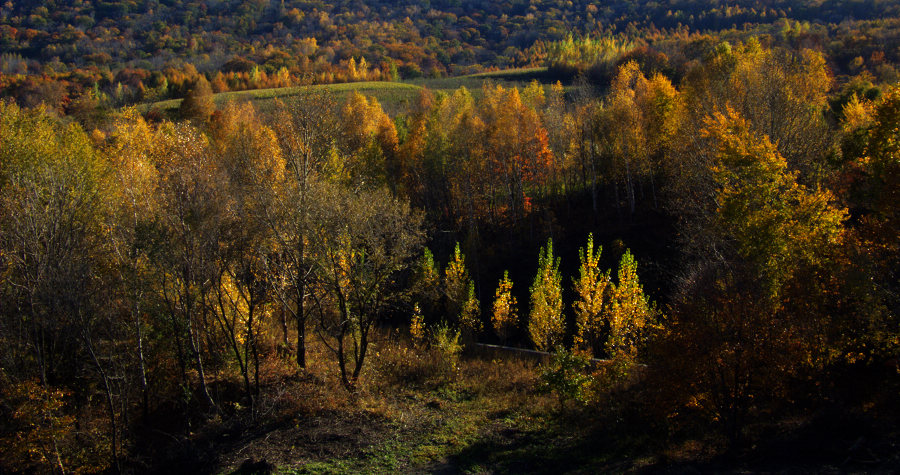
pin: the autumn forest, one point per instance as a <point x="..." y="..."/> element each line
<point x="449" y="236"/>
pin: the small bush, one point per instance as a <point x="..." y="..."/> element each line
<point x="446" y="348"/>
<point x="566" y="375"/>
<point x="432" y="360"/>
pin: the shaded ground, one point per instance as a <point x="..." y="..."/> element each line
<point x="487" y="417"/>
<point x="449" y="436"/>
<point x="332" y="435"/>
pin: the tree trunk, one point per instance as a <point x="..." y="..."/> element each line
<point x="629" y="188"/>
<point x="230" y="330"/>
<point x="113" y="429"/>
<point x="342" y="362"/>
<point x="198" y="361"/>
<point x="301" y="310"/>
<point x="361" y="356"/>
<point x="143" y="366"/>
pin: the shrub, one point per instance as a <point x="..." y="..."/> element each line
<point x="566" y="375"/>
<point x="445" y="347"/>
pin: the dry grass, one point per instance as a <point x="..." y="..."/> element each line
<point x="415" y="411"/>
<point x="411" y="412"/>
<point x="390" y="94"/>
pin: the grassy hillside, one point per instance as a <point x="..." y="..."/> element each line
<point x="386" y="92"/>
<point x="393" y="96"/>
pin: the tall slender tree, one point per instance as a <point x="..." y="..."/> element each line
<point x="545" y="321"/>
<point x="307" y="129"/>
<point x="504" y="318"/>
<point x="593" y="290"/>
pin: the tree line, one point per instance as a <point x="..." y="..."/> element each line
<point x="123" y="52"/>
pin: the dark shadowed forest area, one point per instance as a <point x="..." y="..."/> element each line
<point x="449" y="237"/>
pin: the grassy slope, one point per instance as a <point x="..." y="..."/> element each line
<point x="487" y="417"/>
<point x="393" y="96"/>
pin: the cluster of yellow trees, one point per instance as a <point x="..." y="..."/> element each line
<point x="611" y="318"/>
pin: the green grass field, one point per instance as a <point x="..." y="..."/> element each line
<point x="394" y="96"/>
<point x="388" y="92"/>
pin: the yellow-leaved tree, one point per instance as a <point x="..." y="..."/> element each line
<point x="504" y="317"/>
<point x="629" y="314"/>
<point x="371" y="143"/>
<point x="545" y="323"/>
<point x="460" y="292"/>
<point x="592" y="287"/>
<point x="240" y="295"/>
<point x="756" y="310"/>
<point x="763" y="213"/>
<point x="54" y="251"/>
<point x="427" y="283"/>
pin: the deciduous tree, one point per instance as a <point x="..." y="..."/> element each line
<point x="593" y="290"/>
<point x="198" y="104"/>
<point x="545" y="320"/>
<point x="629" y="315"/>
<point x="307" y="129"/>
<point x="459" y="291"/>
<point x="504" y="318"/>
<point x="361" y="242"/>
